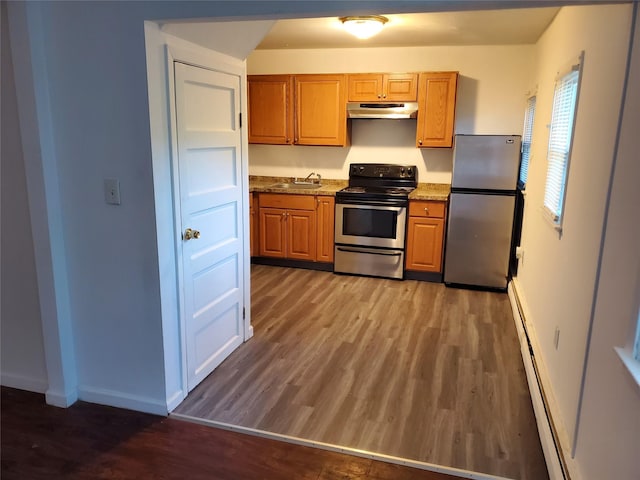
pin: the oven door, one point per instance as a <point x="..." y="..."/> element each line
<point x="370" y="225"/>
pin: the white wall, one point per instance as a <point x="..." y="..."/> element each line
<point x="491" y="93"/>
<point x="557" y="276"/>
<point x="22" y="362"/>
<point x="609" y="432"/>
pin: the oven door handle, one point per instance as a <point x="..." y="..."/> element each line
<point x="397" y="254"/>
<point x="370" y="206"/>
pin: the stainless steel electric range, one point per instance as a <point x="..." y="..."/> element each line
<point x="371" y="217"/>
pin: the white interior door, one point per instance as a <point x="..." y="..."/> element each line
<point x="209" y="164"/>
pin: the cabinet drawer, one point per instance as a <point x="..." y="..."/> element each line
<point x="282" y="200"/>
<point x="426" y="209"/>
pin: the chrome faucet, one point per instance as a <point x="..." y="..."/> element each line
<point x="306" y="179"/>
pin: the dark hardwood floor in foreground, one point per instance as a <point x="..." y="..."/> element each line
<point x="94" y="442"/>
<point x="409" y="369"/>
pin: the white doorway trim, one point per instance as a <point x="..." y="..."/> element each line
<point x="162" y="50"/>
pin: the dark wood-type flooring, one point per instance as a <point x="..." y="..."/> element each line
<point x="403" y="368"/>
<point x="94" y="442"/>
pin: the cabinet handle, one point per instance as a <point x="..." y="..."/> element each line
<point x="295" y="140"/>
<point x="419" y="142"/>
<point x="288" y="140"/>
<point x="426" y="210"/>
<point x="384" y="96"/>
<point x="379" y="96"/>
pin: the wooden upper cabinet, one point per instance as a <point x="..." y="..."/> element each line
<point x="436" y="109"/>
<point x="320" y="106"/>
<point x="383" y="87"/>
<point x="270" y="101"/>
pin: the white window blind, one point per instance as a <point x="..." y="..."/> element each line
<point x="526" y="139"/>
<point x="558" y="155"/>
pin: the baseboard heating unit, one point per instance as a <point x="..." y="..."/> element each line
<point x="556" y="463"/>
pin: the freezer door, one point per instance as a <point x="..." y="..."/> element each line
<point x="479" y="239"/>
<point x="488" y="162"/>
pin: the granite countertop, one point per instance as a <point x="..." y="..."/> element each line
<point x="264" y="185"/>
<point x="260" y="184"/>
<point x="431" y="191"/>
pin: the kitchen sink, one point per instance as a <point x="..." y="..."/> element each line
<point x="297" y="185"/>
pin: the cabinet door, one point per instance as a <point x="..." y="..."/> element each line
<point x="365" y="87"/>
<point x="436" y="109"/>
<point x="400" y="87"/>
<point x="325" y="227"/>
<point x="301" y="234"/>
<point x="253" y="223"/>
<point x="272" y="232"/>
<point x="321" y="114"/>
<point x="270" y="109"/>
<point x="424" y="244"/>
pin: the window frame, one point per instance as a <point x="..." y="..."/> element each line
<point x="527" y="140"/>
<point x="554" y="211"/>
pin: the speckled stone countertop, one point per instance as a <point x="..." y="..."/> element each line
<point x="260" y="184"/>
<point x="431" y="191"/>
<point x="265" y="185"/>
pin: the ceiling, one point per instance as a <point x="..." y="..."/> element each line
<point x="484" y="27"/>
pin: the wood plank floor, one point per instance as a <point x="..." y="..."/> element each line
<point x="409" y="369"/>
<point x="94" y="442"/>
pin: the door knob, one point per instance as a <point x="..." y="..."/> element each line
<point x="189" y="234"/>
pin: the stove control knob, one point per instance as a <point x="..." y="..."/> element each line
<point x="361" y="169"/>
<point x="410" y="172"/>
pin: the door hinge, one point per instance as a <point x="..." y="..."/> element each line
<point x="244" y="313"/>
<point x="240" y="119"/>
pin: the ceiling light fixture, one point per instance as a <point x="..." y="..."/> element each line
<point x="364" y="26"/>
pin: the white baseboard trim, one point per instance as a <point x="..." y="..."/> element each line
<point x="175" y="400"/>
<point x="61" y="399"/>
<point x="249" y="333"/>
<point x="21" y="382"/>
<point x="458" y="472"/>
<point x="113" y="398"/>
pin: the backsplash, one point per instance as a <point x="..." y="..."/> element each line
<point x="372" y="141"/>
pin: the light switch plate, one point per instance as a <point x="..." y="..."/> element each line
<point x="112" y="191"/>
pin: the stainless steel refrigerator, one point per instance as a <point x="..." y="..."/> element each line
<point x="481" y="210"/>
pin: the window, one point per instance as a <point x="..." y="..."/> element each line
<point x="559" y="152"/>
<point x="526" y="140"/>
<point x="630" y="355"/>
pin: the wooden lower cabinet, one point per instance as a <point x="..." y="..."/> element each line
<point x="295" y="227"/>
<point x="300" y="226"/>
<point x="325" y="214"/>
<point x="273" y="232"/>
<point x="425" y="236"/>
<point x="287" y="226"/>
<point x="253" y="224"/>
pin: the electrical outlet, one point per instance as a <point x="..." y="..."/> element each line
<point x="556" y="338"/>
<point x="112" y="191"/>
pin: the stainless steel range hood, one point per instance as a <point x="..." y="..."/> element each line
<point x="382" y="110"/>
